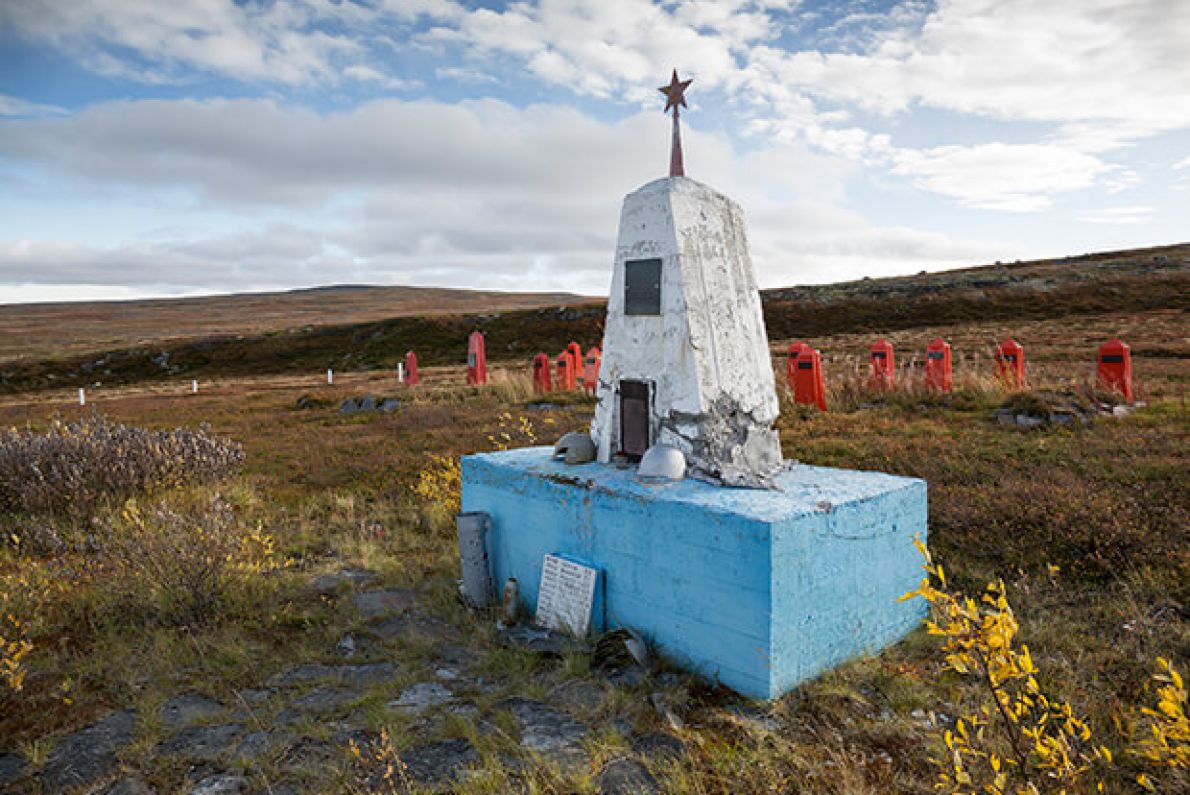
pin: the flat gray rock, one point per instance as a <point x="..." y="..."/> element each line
<point x="329" y="583"/>
<point x="539" y="640"/>
<point x="254" y="695"/>
<point x="12" y="768"/>
<point x="456" y="656"/>
<point x="629" y="676"/>
<point x="324" y="699"/>
<point x="387" y="602"/>
<point x="308" y="754"/>
<point x="659" y="746"/>
<point x="626" y="777"/>
<point x="400" y="626"/>
<point x="353" y="675"/>
<point x="440" y="761"/>
<point x="544" y="729"/>
<point x="754" y="719"/>
<point x="255" y="745"/>
<point x="580" y="695"/>
<point x="201" y="743"/>
<point x="88" y="754"/>
<point x="420" y="697"/>
<point x="347" y="734"/>
<point x="187" y="708"/>
<point x="132" y="785"/>
<point x="220" y="784"/>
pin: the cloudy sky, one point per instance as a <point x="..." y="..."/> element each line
<point x="163" y="148"/>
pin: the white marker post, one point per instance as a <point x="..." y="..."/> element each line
<point x="194" y="387"/>
<point x="400" y="372"/>
<point x="330" y="376"/>
<point x="82" y="396"/>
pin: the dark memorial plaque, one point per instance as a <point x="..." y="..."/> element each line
<point x="1112" y="358"/>
<point x="634" y="417"/>
<point x="642" y="287"/>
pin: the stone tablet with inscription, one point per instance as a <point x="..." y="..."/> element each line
<point x="566" y="595"/>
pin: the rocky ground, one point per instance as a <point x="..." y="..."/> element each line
<point x="312" y="727"/>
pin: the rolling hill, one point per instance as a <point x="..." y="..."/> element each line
<point x="361" y="328"/>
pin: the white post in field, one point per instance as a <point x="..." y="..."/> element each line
<point x="194" y="386"/>
<point x="82" y="396"/>
<point x="400" y="372"/>
<point x="330" y="376"/>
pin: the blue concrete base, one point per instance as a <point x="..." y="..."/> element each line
<point x="758" y="590"/>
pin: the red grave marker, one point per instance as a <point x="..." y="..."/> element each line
<point x="477" y="363"/>
<point x="542" y="375"/>
<point x="808" y="386"/>
<point x="884" y="368"/>
<point x="1010" y="364"/>
<point x="411" y="376"/>
<point x="1115" y="368"/>
<point x="938" y="372"/>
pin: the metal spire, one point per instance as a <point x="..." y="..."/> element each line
<point x="675" y="98"/>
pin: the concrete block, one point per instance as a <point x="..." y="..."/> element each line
<point x="757" y="589"/>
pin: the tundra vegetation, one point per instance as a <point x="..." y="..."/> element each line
<point x="169" y="542"/>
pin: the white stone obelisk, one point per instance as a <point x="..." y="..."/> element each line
<point x="685" y="353"/>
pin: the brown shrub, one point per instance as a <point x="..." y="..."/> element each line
<point x="172" y="567"/>
<point x="73" y="469"/>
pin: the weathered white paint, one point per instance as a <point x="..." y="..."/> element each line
<point x="714" y="394"/>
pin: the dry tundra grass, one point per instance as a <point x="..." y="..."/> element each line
<point x="1085" y="525"/>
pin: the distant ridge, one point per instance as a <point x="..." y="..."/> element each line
<point x="50" y="329"/>
<point x="353" y="328"/>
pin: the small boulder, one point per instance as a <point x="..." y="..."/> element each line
<point x="335" y="580"/>
<point x="221" y="784"/>
<point x="12" y="768"/>
<point x="375" y="604"/>
<point x="541" y="640"/>
<point x="324" y="699"/>
<point x="86" y="755"/>
<point x="659" y="746"/>
<point x="440" y="761"/>
<point x="132" y="785"/>
<point x="187" y="708"/>
<point x="625" y="776"/>
<point x="420" y="697"/>
<point x="201" y="743"/>
<point x="544" y="729"/>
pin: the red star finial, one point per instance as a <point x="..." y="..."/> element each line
<point x="675" y="97"/>
<point x="675" y="92"/>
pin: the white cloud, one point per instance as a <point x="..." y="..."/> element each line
<point x="471" y="194"/>
<point x="1096" y="75"/>
<point x="1181" y="164"/>
<point x="15" y="106"/>
<point x="998" y="176"/>
<point x="1134" y="214"/>
<point x="283" y="42"/>
<point x="1093" y="75"/>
